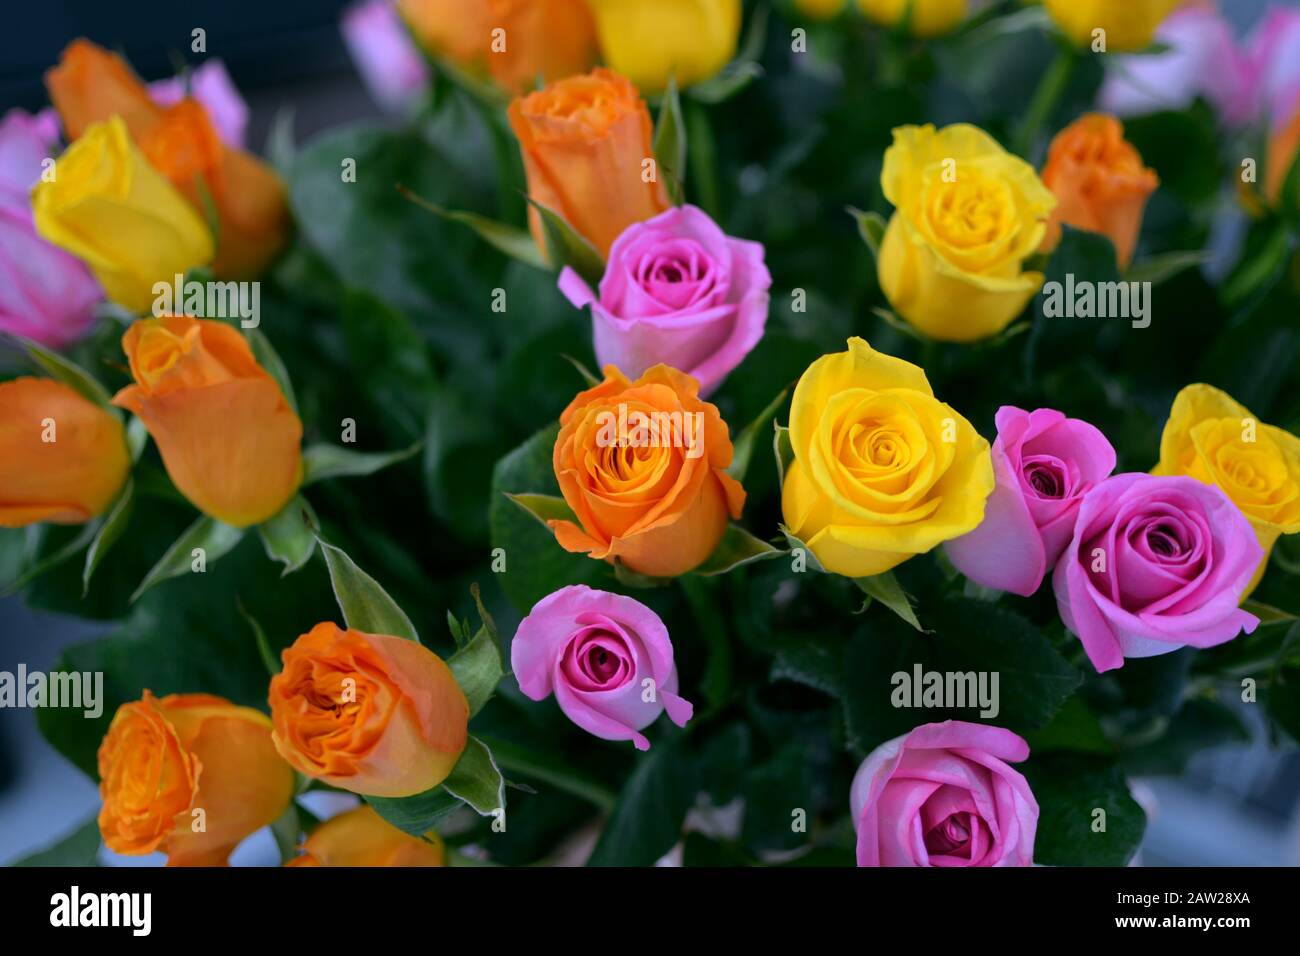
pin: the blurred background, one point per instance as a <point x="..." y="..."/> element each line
<point x="1236" y="805"/>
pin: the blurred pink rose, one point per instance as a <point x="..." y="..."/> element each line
<point x="389" y="63"/>
<point x="1273" y="65"/>
<point x="677" y="291"/>
<point x="45" y="294"/>
<point x="943" y="795"/>
<point x="607" y="658"/>
<point x="1156" y="563"/>
<point x="1044" y="463"/>
<point x="211" y="85"/>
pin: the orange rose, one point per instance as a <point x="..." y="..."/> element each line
<point x="1099" y="182"/>
<point x="370" y="713"/>
<point x="642" y="466"/>
<point x="62" y="457"/>
<point x="1283" y="146"/>
<point x="584" y="141"/>
<point x="361" y="837"/>
<point x="190" y="775"/>
<point x="90" y="84"/>
<point x="227" y="436"/>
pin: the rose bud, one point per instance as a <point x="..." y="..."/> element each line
<point x="112" y="210"/>
<point x="374" y="714"/>
<point x="651" y="492"/>
<point x="63" y="459"/>
<point x="1099" y="182"/>
<point x="677" y="291"/>
<point x="228" y="438"/>
<point x="606" y="657"/>
<point x="923" y="18"/>
<point x="361" y="837"/>
<point x="584" y="141"/>
<point x="649" y="41"/>
<point x="190" y="775"/>
<point x="1044" y="464"/>
<point x="1155" y="564"/>
<point x="943" y="795"/>
<point x="1126" y="25"/>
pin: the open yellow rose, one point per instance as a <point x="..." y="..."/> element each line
<point x="967" y="214"/>
<point x="882" y="469"/>
<point x="1215" y="439"/>
<point x="1128" y="24"/>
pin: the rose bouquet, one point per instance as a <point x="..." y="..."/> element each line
<point x="726" y="432"/>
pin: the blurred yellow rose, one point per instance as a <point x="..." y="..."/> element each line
<point x="967" y="214"/>
<point x="882" y="469"/>
<point x="928" y="18"/>
<point x="1128" y="24"/>
<point x="1215" y="439"/>
<point x="108" y="207"/>
<point x="650" y="40"/>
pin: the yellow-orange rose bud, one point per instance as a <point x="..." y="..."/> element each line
<point x="927" y="18"/>
<point x="1215" y="439"/>
<point x="63" y="459"/>
<point x="642" y="466"/>
<point x="585" y="141"/>
<point x="228" y="438"/>
<point x="1099" y="183"/>
<point x="90" y="84"/>
<point x="370" y="713"/>
<point x="108" y="207"/>
<point x="190" y="775"/>
<point x="1127" y="24"/>
<point x="361" y="837"/>
<point x="649" y="41"/>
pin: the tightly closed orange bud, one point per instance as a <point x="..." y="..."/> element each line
<point x="361" y="837"/>
<point x="370" y="713"/>
<point x="62" y="457"/>
<point x="190" y="775"/>
<point x="585" y="142"/>
<point x="641" y="464"/>
<point x="90" y="84"/>
<point x="227" y="436"/>
<point x="1099" y="182"/>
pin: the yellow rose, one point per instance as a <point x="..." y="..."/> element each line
<point x="1213" y="438"/>
<point x="929" y="18"/>
<point x="107" y="206"/>
<point x="650" y="40"/>
<point x="1129" y="24"/>
<point x="882" y="469"/>
<point x="967" y="214"/>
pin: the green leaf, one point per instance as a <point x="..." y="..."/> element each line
<point x="737" y="74"/>
<point x="743" y="447"/>
<point x="783" y="451"/>
<point x="280" y="146"/>
<point x="269" y="359"/>
<point x="366" y="606"/>
<point x="566" y="247"/>
<point x="511" y="240"/>
<point x="871" y="227"/>
<point x="323" y="461"/>
<point x="886" y="589"/>
<point x="1156" y="269"/>
<point x="110" y="530"/>
<point x="477" y="780"/>
<point x="137" y="436"/>
<point x="290" y="535"/>
<point x="84" y="537"/>
<point x="587" y="375"/>
<point x="478" y="667"/>
<point x="214" y="537"/>
<point x="670" y="143"/>
<point x="419" y="814"/>
<point x="70" y="374"/>
<point x="544" y="507"/>
<point x="647" y="820"/>
<point x="737" y="548"/>
<point x="1268" y="614"/>
<point x="810" y="559"/>
<point x="1075" y="727"/>
<point x="1069" y="790"/>
<point x="287" y="831"/>
<point x="552" y="770"/>
<point x="270" y="660"/>
<point x="78" y="848"/>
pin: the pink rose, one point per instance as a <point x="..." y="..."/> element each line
<point x="1273" y="65"/>
<point x="1044" y="463"/>
<point x="389" y="63"/>
<point x="1156" y="563"/>
<point x="45" y="294"/>
<point x="607" y="658"/>
<point x="677" y="291"/>
<point x="943" y="795"/>
<point x="211" y="85"/>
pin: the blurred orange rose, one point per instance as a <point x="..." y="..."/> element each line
<point x="370" y="713"/>
<point x="1283" y="147"/>
<point x="656" y="496"/>
<point x="190" y="775"/>
<point x="361" y="837"/>
<point x="228" y="438"/>
<point x="585" y="140"/>
<point x="62" y="458"/>
<point x="1099" y="182"/>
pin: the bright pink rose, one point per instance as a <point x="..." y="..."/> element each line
<point x="677" y="291"/>
<point x="45" y="294"/>
<point x="606" y="657"/>
<point x="389" y="63"/>
<point x="943" y="795"/>
<point x="211" y="85"/>
<point x="1273" y="65"/>
<point x="1156" y="563"/>
<point x="1044" y="463"/>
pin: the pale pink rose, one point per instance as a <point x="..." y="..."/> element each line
<point x="1273" y="65"/>
<point x="211" y="85"/>
<point x="944" y="795"/>
<point x="389" y="63"/>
